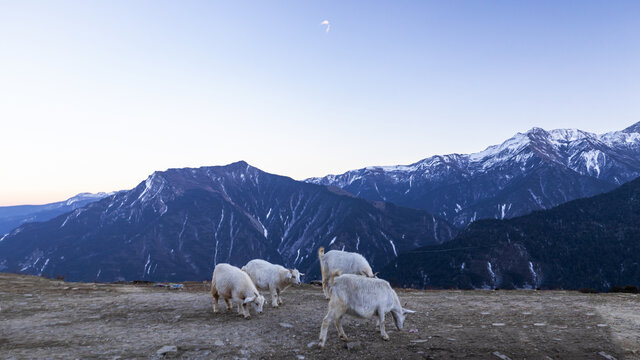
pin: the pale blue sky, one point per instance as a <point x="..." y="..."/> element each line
<point x="94" y="96"/>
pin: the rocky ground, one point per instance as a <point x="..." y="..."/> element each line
<point x="42" y="318"/>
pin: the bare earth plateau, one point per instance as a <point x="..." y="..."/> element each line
<point x="42" y="318"/>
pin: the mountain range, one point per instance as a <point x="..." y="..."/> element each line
<point x="530" y="171"/>
<point x="179" y="223"/>
<point x="13" y="216"/>
<point x="586" y="243"/>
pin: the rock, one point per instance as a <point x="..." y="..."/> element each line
<point x="353" y="346"/>
<point x="285" y="325"/>
<point x="501" y="356"/>
<point x="28" y="295"/>
<point x="218" y="343"/>
<point x="539" y="324"/>
<point x="312" y="344"/>
<point x="167" y="350"/>
<point x="299" y="357"/>
<point x="606" y="356"/>
<point x="498" y="324"/>
<point x="419" y="341"/>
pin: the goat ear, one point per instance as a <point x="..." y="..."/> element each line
<point x="407" y="311"/>
<point x="301" y="274"/>
<point x="337" y="273"/>
<point x="249" y="299"/>
<point x="376" y="274"/>
<point x="289" y="275"/>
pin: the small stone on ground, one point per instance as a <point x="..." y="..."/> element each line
<point x="354" y="346"/>
<point x="501" y="356"/>
<point x="167" y="349"/>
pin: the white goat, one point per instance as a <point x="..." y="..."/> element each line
<point x="343" y="261"/>
<point x="231" y="283"/>
<point x="274" y="278"/>
<point x="363" y="297"/>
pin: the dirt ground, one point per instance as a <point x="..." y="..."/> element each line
<point x="41" y="318"/>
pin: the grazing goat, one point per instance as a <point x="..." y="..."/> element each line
<point x="363" y="297"/>
<point x="274" y="278"/>
<point x="231" y="283"/>
<point x="343" y="261"/>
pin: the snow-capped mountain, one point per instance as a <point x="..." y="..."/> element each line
<point x="585" y="243"/>
<point x="530" y="171"/>
<point x="179" y="223"/>
<point x="13" y="216"/>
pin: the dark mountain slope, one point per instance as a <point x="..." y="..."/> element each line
<point x="591" y="243"/>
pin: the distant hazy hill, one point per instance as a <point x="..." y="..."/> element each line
<point x="13" y="216"/>
<point x="179" y="223"/>
<point x="532" y="171"/>
<point x="591" y="243"/>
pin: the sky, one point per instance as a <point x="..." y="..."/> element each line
<point x="95" y="96"/>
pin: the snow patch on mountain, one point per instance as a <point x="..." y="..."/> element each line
<point x="592" y="161"/>
<point x="87" y="196"/>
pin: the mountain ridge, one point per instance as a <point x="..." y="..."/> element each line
<point x="13" y="216"/>
<point x="178" y="223"/>
<point x="464" y="187"/>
